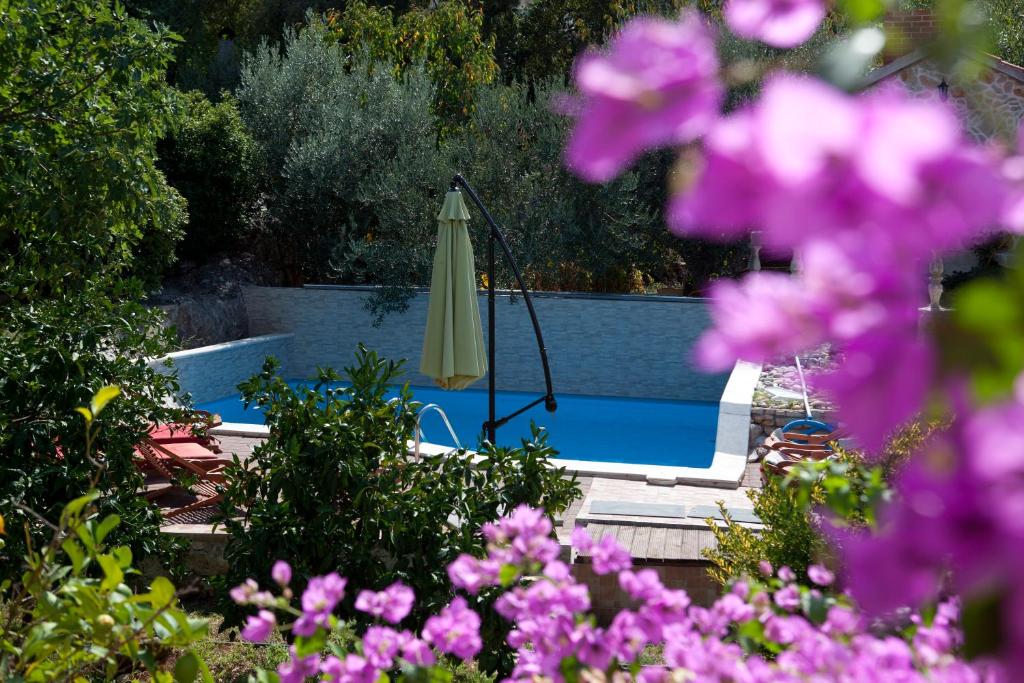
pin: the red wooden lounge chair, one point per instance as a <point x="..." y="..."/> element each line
<point x="185" y="432"/>
<point x="168" y="466"/>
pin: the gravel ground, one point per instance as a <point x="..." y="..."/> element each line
<point x="784" y="376"/>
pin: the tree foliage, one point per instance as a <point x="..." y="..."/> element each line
<point x="211" y="158"/>
<point x="446" y="38"/>
<point x="83" y="104"/>
<point x="82" y="208"/>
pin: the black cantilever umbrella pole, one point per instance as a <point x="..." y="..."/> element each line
<point x="495" y="235"/>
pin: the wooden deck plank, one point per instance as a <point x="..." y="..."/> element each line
<point x="674" y="544"/>
<point x="656" y="548"/>
<point x="625" y="536"/>
<point x="695" y="540"/>
<point x="641" y="542"/>
<point x="603" y="530"/>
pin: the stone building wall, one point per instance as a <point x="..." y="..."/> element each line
<point x="992" y="103"/>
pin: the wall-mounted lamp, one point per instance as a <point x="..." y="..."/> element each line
<point x="943" y="90"/>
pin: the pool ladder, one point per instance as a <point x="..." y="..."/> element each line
<point x="419" y="432"/>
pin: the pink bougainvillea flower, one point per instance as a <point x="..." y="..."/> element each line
<point x="381" y="645"/>
<point x="258" y="627"/>
<point x="608" y="556"/>
<point x="281" y="573"/>
<point x="1013" y="172"/>
<point x="779" y="23"/>
<point x="471" y="574"/>
<point x="416" y="651"/>
<point x="322" y="594"/>
<point x="392" y="604"/>
<point x="820" y="575"/>
<point x="297" y="669"/>
<point x="455" y="631"/>
<point x="957" y="515"/>
<point x="891" y="368"/>
<point x="891" y="172"/>
<point x="655" y="85"/>
<point x="352" y="669"/>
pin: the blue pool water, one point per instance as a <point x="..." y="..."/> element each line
<point x="601" y="428"/>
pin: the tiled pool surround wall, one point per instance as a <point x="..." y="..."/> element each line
<point x="639" y="346"/>
<point x="212" y="372"/>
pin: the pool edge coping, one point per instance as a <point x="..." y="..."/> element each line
<point x="725" y="471"/>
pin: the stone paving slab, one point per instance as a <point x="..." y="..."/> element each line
<point x="634" y="509"/>
<point x="741" y="515"/>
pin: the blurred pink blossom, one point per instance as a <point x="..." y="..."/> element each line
<point x="654" y="85"/>
<point x="779" y="23"/>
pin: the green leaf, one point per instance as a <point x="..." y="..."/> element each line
<point x="74" y="551"/>
<point x="106" y="526"/>
<point x="123" y="555"/>
<point x="76" y="506"/>
<point x="161" y="592"/>
<point x="112" y="572"/>
<point x="305" y="646"/>
<point x="508" y="574"/>
<point x="186" y="669"/>
<point x="104" y="396"/>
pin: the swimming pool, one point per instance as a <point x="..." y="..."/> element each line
<point x="596" y="428"/>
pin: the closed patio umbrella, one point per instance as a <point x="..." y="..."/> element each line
<point x="453" y="345"/>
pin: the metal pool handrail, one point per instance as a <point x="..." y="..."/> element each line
<point x="419" y="432"/>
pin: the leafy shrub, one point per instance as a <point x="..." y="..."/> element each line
<point x="52" y="358"/>
<point x="789" y="537"/>
<point x="83" y="208"/>
<point x="846" y="488"/>
<point x="71" y="616"/>
<point x="213" y="161"/>
<point x="334" y="488"/>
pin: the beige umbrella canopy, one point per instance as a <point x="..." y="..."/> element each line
<point x="453" y="345"/>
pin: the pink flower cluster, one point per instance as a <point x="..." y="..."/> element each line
<point x="863" y="190"/>
<point x="864" y="197"/>
<point x="382" y="646"/>
<point x="655" y="86"/>
<point x="960" y="526"/>
<point x="814" y="636"/>
<point x="779" y="23"/>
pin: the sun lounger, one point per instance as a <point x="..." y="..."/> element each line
<point x="186" y="432"/>
<point x="168" y="468"/>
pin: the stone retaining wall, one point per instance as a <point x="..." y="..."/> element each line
<point x="763" y="421"/>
